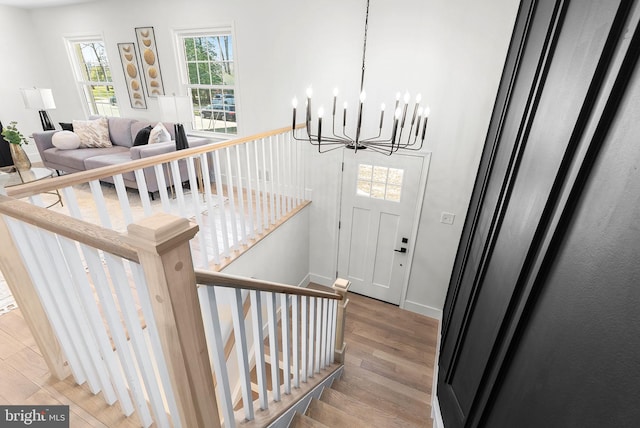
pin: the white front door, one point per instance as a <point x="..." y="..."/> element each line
<point x="379" y="205"/>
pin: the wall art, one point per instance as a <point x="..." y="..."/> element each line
<point x="149" y="59"/>
<point x="132" y="75"/>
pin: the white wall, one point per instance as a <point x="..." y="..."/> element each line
<point x="450" y="51"/>
<point x="282" y="256"/>
<point x="21" y="68"/>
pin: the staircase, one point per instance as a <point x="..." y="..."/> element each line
<point x="358" y="401"/>
<point x="350" y="402"/>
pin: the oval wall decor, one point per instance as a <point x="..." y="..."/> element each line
<point x="150" y="62"/>
<point x="132" y="76"/>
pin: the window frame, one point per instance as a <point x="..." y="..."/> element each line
<point x="179" y="34"/>
<point x="82" y="85"/>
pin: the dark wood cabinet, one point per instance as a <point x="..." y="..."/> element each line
<point x="541" y="318"/>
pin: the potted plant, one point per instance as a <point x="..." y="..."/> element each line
<point x="14" y="137"/>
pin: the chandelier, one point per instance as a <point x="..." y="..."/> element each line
<point x="399" y="137"/>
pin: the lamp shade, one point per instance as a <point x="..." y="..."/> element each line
<point x="175" y="109"/>
<point x="38" y="98"/>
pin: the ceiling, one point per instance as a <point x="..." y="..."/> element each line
<point x="35" y="4"/>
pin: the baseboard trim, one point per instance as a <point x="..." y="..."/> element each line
<point x="321" y="280"/>
<point x="305" y="281"/>
<point x="435" y="413"/>
<point x="421" y="309"/>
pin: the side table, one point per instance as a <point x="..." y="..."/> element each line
<point x="10" y="176"/>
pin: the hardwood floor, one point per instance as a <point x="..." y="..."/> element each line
<point x="390" y="355"/>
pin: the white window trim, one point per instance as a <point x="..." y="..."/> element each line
<point x="223" y="29"/>
<point x="69" y="40"/>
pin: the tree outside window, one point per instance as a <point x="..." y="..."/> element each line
<point x="209" y="78"/>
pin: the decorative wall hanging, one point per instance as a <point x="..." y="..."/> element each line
<point x="150" y="62"/>
<point x="132" y="75"/>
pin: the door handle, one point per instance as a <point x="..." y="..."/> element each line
<point x="401" y="250"/>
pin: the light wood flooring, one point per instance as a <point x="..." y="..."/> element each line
<point x="389" y="362"/>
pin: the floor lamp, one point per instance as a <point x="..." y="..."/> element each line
<point x="41" y="100"/>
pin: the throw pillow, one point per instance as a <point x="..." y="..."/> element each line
<point x="142" y="137"/>
<point x="159" y="134"/>
<point x="66" y="126"/>
<point x="93" y="133"/>
<point x="65" y="140"/>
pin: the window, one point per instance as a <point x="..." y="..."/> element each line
<point x="380" y="182"/>
<point x="93" y="74"/>
<point x="208" y="75"/>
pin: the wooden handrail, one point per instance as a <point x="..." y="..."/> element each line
<point x="69" y="227"/>
<point x="118" y="244"/>
<point x="209" y="278"/>
<point x="41" y="186"/>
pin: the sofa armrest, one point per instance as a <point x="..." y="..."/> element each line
<point x="147" y="150"/>
<point x="43" y="141"/>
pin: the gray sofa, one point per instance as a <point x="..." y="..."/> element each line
<point x="122" y="133"/>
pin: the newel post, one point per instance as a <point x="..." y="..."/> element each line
<point x="24" y="292"/>
<point x="162" y="242"/>
<point x="341" y="286"/>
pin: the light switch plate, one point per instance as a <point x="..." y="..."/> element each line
<point x="447" y="218"/>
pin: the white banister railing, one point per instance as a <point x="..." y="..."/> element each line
<point x="284" y="324"/>
<point x="121" y="314"/>
<point x="235" y="191"/>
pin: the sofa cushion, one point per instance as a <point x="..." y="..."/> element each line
<point x="120" y="131"/>
<point x="142" y="137"/>
<point x="75" y="158"/>
<point x="111" y="159"/>
<point x="65" y="140"/>
<point x="159" y="134"/>
<point x="92" y="133"/>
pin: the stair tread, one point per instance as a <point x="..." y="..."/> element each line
<point x="302" y="421"/>
<point x="389" y="402"/>
<point x="366" y="413"/>
<point x="332" y="416"/>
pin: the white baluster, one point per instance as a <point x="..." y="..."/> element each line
<point x="258" y="346"/>
<point x="223" y="217"/>
<point x="295" y="323"/>
<point x="334" y="319"/>
<point x="273" y="346"/>
<point x="312" y="321"/>
<point x="211" y="319"/>
<point x="213" y="230"/>
<point x="121" y="191"/>
<point x="240" y="193"/>
<point x="177" y="187"/>
<point x="197" y="211"/>
<point x="232" y="199"/>
<point x="240" y="333"/>
<point x="101" y="206"/>
<point x="286" y="341"/>
<point x="323" y="342"/>
<point x="259" y="219"/>
<point x="274" y="207"/>
<point x="304" y="328"/>
<point x="160" y="171"/>
<point x="250" y="194"/>
<point x="143" y="191"/>
<point x="278" y="178"/>
<point x="265" y="194"/>
<point x="318" y="333"/>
